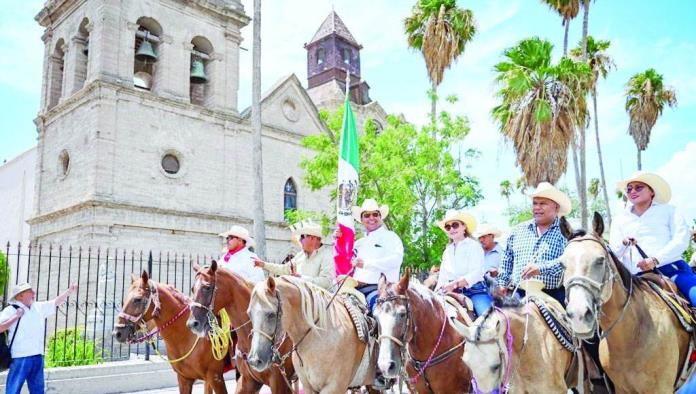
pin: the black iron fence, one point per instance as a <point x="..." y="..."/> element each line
<point x="80" y="331"/>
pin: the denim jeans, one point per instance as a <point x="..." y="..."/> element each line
<point x="683" y="277"/>
<point x="29" y="369"/>
<point x="479" y="297"/>
<point x="370" y="292"/>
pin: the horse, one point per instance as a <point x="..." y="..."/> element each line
<point x="328" y="354"/>
<point x="215" y="289"/>
<point x="433" y="358"/>
<point x="511" y="348"/>
<point x="643" y="346"/>
<point x="148" y="301"/>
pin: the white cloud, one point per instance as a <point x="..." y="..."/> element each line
<point x="679" y="172"/>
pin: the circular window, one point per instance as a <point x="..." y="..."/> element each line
<point x="290" y="110"/>
<point x="63" y="163"/>
<point x="170" y="164"/>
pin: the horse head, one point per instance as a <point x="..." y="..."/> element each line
<point x="204" y="291"/>
<point x="265" y="314"/>
<point x="589" y="271"/>
<point x="392" y="311"/>
<point x="140" y="304"/>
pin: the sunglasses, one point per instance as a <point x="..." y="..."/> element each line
<point x="454" y="226"/>
<point x="637" y="188"/>
<point x="229" y="237"/>
<point x="373" y="214"/>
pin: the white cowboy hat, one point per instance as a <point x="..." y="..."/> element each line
<point x="18" y="288"/>
<point x="305" y="227"/>
<point x="663" y="193"/>
<point x="485" y="229"/>
<point x="240" y="232"/>
<point x="547" y="190"/>
<point x="370" y="205"/>
<point x="459" y="216"/>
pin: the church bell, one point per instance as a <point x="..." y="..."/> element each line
<point x="146" y="53"/>
<point x="198" y="71"/>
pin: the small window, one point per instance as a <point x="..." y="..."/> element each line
<point x="170" y="164"/>
<point x="346" y="55"/>
<point x="290" y="196"/>
<point x="321" y="56"/>
<point x="63" y="163"/>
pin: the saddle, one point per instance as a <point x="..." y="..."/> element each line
<point x="667" y="290"/>
<point x="459" y="307"/>
<point x="365" y="325"/>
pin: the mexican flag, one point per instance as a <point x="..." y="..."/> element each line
<point x="348" y="168"/>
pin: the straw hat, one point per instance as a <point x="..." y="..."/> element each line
<point x="370" y="205"/>
<point x="240" y="232"/>
<point x="485" y="229"/>
<point x="663" y="193"/>
<point x="460" y="216"/>
<point x="531" y="286"/>
<point x="547" y="190"/>
<point x="305" y="227"/>
<point x="18" y="288"/>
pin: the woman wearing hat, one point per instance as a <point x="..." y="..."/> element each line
<point x="314" y="263"/>
<point x="462" y="266"/>
<point x="237" y="257"/>
<point x="651" y="234"/>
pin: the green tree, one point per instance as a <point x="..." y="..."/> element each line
<point x="593" y="188"/>
<point x="506" y="190"/>
<point x="440" y="30"/>
<point x="646" y="97"/>
<point x="541" y="105"/>
<point x="568" y="10"/>
<point x="4" y="272"/>
<point x="407" y="168"/>
<point x="600" y="63"/>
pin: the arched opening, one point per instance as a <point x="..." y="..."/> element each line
<point x="345" y="54"/>
<point x="145" y="52"/>
<point x="82" y="56"/>
<point x="200" y="71"/>
<point x="321" y="55"/>
<point x="56" y="81"/>
<point x="289" y="196"/>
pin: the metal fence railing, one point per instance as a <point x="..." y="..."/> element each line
<point x="80" y="331"/>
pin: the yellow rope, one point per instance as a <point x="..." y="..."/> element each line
<point x="180" y="358"/>
<point x="220" y="335"/>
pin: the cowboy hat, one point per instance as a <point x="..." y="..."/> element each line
<point x="459" y="216"/>
<point x="370" y="205"/>
<point x="663" y="193"/>
<point x="305" y="227"/>
<point x="485" y="229"/>
<point x="18" y="288"/>
<point x="239" y="232"/>
<point x="547" y="190"/>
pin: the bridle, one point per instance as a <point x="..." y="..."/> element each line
<point x="276" y="343"/>
<point x="409" y="327"/>
<point x="596" y="289"/>
<point x="504" y="352"/>
<point x="210" y="308"/>
<point x="137" y="323"/>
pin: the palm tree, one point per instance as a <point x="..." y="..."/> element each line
<point x="568" y="10"/>
<point x="506" y="190"/>
<point x="600" y="63"/>
<point x="646" y="97"/>
<point x="593" y="188"/>
<point x="440" y="30"/>
<point x="257" y="154"/>
<point x="541" y="105"/>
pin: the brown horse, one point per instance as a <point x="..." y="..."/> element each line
<point x="329" y="356"/>
<point x="148" y="301"/>
<point x="215" y="289"/>
<point x="643" y="347"/>
<point x="414" y="326"/>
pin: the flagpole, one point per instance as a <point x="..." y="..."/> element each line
<point x="347" y="83"/>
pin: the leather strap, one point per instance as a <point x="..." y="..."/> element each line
<point x="9" y="348"/>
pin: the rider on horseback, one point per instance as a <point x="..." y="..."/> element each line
<point x="237" y="257"/>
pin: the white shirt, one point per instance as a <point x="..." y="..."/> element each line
<point x="30" y="337"/>
<point x="242" y="264"/>
<point x="382" y="252"/>
<point x="661" y="232"/>
<point x="462" y="259"/>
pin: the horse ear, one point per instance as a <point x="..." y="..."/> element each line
<point x="213" y="266"/>
<point x="382" y="283"/>
<point x="196" y="267"/>
<point x="463" y="330"/>
<point x="133" y="277"/>
<point x="403" y="282"/>
<point x="270" y="285"/>
<point x="598" y="224"/>
<point x="566" y="228"/>
<point x="144" y="276"/>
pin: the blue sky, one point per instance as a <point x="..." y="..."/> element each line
<point x="643" y="34"/>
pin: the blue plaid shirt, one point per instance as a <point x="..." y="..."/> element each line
<point x="526" y="247"/>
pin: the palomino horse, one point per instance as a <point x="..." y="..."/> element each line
<point x="328" y="355"/>
<point x="215" y="289"/>
<point x="643" y="347"/>
<point x="511" y="349"/>
<point x="434" y="356"/>
<point x="148" y="301"/>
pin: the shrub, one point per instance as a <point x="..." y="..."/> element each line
<point x="69" y="347"/>
<point x="4" y="271"/>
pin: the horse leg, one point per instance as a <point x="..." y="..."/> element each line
<point x="185" y="384"/>
<point x="278" y="385"/>
<point x="246" y="385"/>
<point x="215" y="383"/>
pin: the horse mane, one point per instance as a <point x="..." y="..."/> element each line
<point x="316" y="311"/>
<point x="483" y="318"/>
<point x="626" y="277"/>
<point x="179" y="296"/>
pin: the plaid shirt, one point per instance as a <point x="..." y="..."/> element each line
<point x="526" y="247"/>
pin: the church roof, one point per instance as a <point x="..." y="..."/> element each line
<point x="333" y="24"/>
